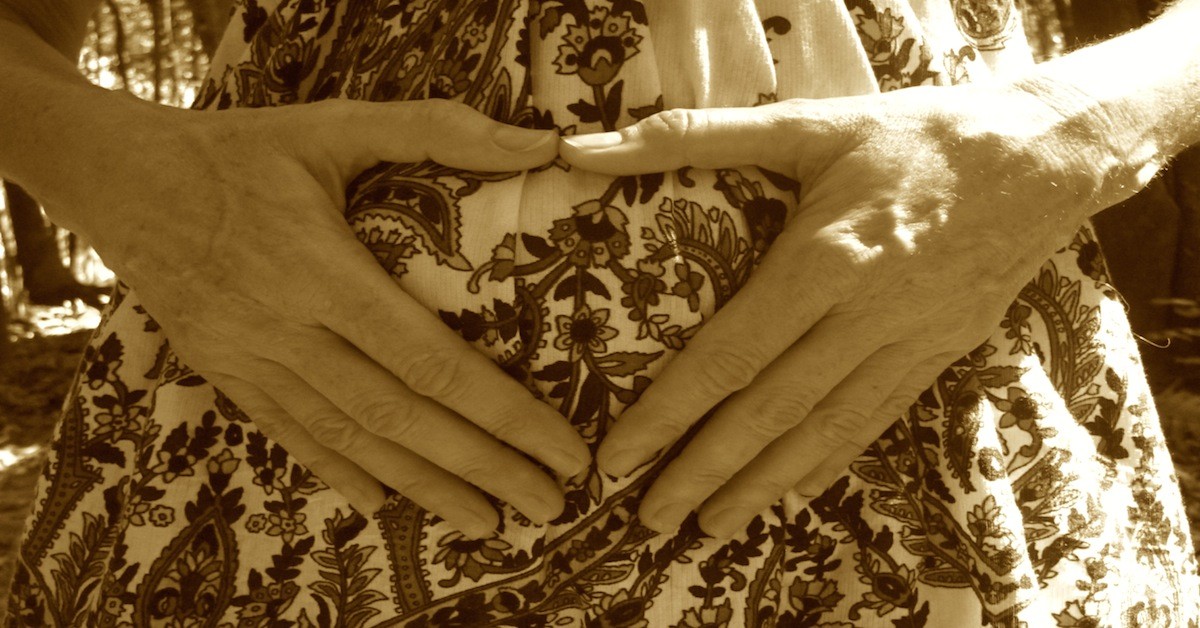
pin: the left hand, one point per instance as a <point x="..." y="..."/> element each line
<point x="923" y="213"/>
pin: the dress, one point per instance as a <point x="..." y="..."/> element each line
<point x="1028" y="486"/>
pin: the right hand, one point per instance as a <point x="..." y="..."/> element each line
<point x="229" y="227"/>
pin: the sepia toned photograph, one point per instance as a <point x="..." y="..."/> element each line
<point x="600" y="313"/>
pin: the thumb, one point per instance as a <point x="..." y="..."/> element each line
<point x="356" y="135"/>
<point x="773" y="136"/>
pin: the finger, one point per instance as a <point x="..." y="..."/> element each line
<point x="787" y="137"/>
<point x="725" y="355"/>
<point x="368" y="396"/>
<point x="413" y="344"/>
<point x="410" y="474"/>
<point x="780" y="399"/>
<point x="360" y="134"/>
<point x="359" y="488"/>
<point x="848" y="421"/>
<point x="902" y="398"/>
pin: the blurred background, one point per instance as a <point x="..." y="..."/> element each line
<point x="52" y="284"/>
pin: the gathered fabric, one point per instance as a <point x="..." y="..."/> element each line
<point x="1028" y="486"/>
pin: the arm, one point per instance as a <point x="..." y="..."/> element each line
<point x="228" y="226"/>
<point x="1135" y="99"/>
<point x="861" y="302"/>
<point x="48" y="110"/>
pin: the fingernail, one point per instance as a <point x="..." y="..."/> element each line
<point x="811" y="489"/>
<point x="366" y="503"/>
<point x="368" y="506"/>
<point x="594" y="141"/>
<point x="667" y="518"/>
<point x="569" y="464"/>
<point x="471" y="523"/>
<point x="623" y="462"/>
<point x="546" y="509"/>
<point x="724" y="524"/>
<point x="521" y="140"/>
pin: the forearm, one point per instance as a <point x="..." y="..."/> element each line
<point x="58" y="130"/>
<point x="1135" y="97"/>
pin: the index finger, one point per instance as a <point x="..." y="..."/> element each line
<point x="795" y="136"/>
<point x="782" y="300"/>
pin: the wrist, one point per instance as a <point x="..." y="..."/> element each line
<point x="80" y="144"/>
<point x="1110" y="155"/>
<point x="1128" y="105"/>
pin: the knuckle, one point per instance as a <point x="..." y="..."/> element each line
<point x="335" y="107"/>
<point x="440" y="113"/>
<point x="318" y="460"/>
<point x="776" y="485"/>
<point x="778" y="412"/>
<point x="726" y="369"/>
<point x="433" y="373"/>
<point x="673" y="122"/>
<point x="508" y="420"/>
<point x="378" y="414"/>
<point x="842" y="425"/>
<point x="478" y="470"/>
<point x="708" y="475"/>
<point x="673" y="128"/>
<point x="666" y="426"/>
<point x="407" y="485"/>
<point x="331" y="430"/>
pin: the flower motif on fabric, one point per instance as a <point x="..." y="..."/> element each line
<point x="596" y="49"/>
<point x="224" y="462"/>
<point x="880" y="34"/>
<point x="585" y="330"/>
<point x="594" y="236"/>
<point x="814" y="598"/>
<point x="474" y="34"/>
<point x="707" y="616"/>
<point x="172" y="464"/>
<point x="256" y="523"/>
<point x="985" y="520"/>
<point x="688" y="286"/>
<point x="286" y="525"/>
<point x="190" y="587"/>
<point x="466" y="557"/>
<point x="623" y="610"/>
<point x="889" y="43"/>
<point x="765" y="215"/>
<point x="161" y="516"/>
<point x="889" y="589"/>
<point x="115" y="424"/>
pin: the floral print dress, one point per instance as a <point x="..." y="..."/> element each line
<point x="1029" y="485"/>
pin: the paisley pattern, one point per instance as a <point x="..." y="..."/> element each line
<point x="1029" y="485"/>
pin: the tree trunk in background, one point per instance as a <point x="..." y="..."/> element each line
<point x="1096" y="20"/>
<point x="46" y="277"/>
<point x="37" y="248"/>
<point x="4" y="342"/>
<point x="1184" y="176"/>
<point x="210" y="17"/>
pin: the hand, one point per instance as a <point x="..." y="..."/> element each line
<point x="229" y="227"/>
<point x="923" y="213"/>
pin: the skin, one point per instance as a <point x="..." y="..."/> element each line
<point x="924" y="212"/>
<point x="856" y="309"/>
<point x="287" y="313"/>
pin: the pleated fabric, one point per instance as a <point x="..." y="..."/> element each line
<point x="1029" y="485"/>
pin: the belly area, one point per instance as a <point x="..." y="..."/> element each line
<point x="581" y="286"/>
